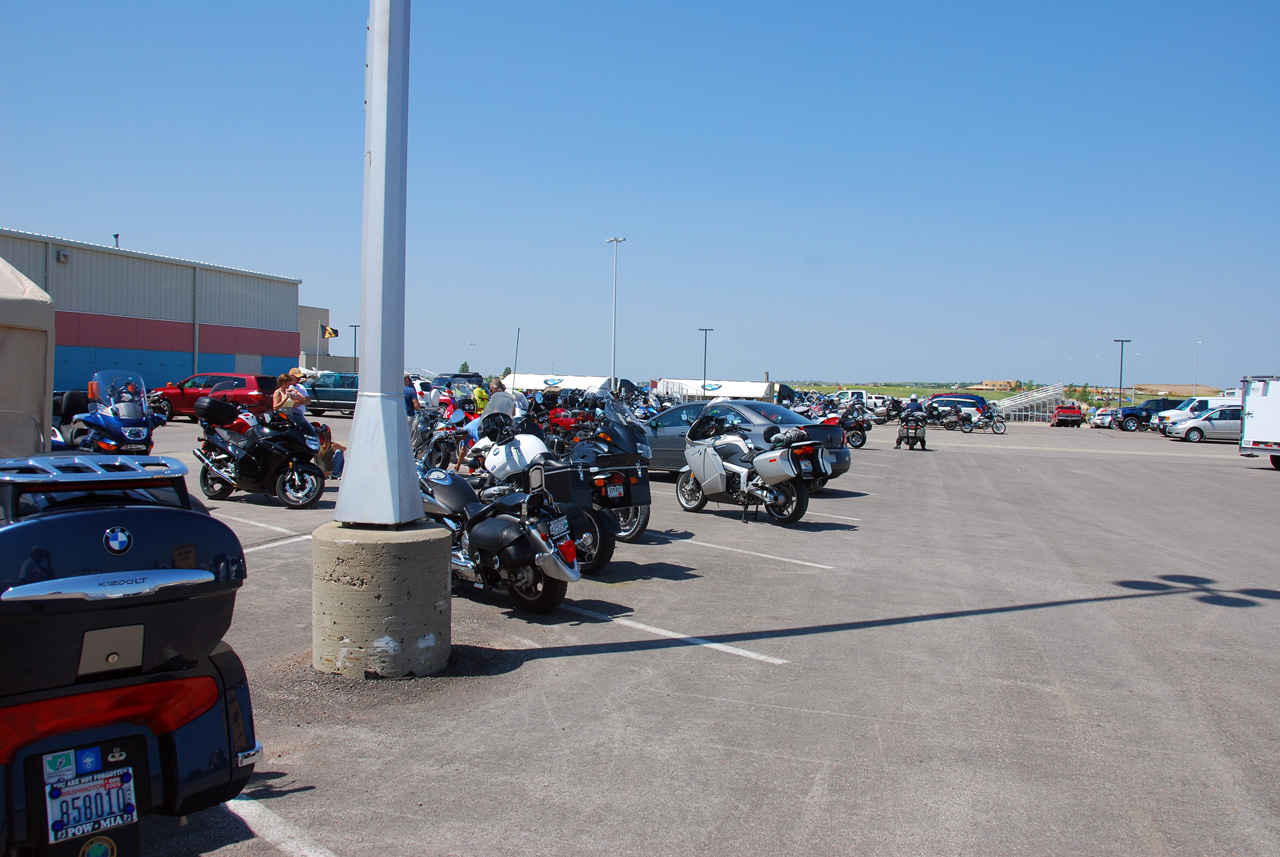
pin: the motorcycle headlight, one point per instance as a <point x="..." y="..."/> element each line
<point x="645" y="450"/>
<point x="313" y="443"/>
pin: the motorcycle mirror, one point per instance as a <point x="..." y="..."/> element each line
<point x="457" y="418"/>
<point x="537" y="397"/>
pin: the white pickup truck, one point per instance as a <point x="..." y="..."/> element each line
<point x="1260" y="434"/>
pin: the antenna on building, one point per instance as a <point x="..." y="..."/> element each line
<point x="116" y="235"/>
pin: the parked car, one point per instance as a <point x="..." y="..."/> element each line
<point x="1101" y="418"/>
<point x="333" y="391"/>
<point x="1139" y="417"/>
<point x="1067" y="415"/>
<point x="667" y="430"/>
<point x="1218" y="424"/>
<point x="118" y="698"/>
<point x="1190" y="408"/>
<point x="252" y="391"/>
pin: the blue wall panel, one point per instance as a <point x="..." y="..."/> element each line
<point x="74" y="365"/>
<point x="277" y="365"/>
<point x="217" y="362"/>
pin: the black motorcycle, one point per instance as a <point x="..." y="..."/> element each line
<point x="522" y="543"/>
<point x="855" y="423"/>
<point x="274" y="457"/>
<point x="617" y="455"/>
<point x="956" y="418"/>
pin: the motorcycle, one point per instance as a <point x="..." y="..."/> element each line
<point x="855" y="423"/>
<point x="435" y="437"/>
<point x="115" y="417"/>
<point x="274" y="457"/>
<point x="990" y="418"/>
<point x="519" y="542"/>
<point x="725" y="467"/>
<point x="911" y="430"/>
<point x="957" y="418"/>
<point x="890" y="410"/>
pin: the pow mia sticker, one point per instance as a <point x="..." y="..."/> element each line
<point x="117" y="541"/>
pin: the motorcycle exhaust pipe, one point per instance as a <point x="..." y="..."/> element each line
<point x="213" y="468"/>
<point x="463" y="566"/>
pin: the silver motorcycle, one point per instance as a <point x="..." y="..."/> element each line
<point x="725" y="467"/>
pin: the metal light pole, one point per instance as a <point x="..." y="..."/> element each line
<point x="1196" y="373"/>
<point x="1120" y="389"/>
<point x="613" y="337"/>
<point x="705" y="331"/>
<point x="1096" y="358"/>
<point x="355" y="347"/>
<point x="1133" y="396"/>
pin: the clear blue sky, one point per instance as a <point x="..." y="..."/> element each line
<point x="844" y="191"/>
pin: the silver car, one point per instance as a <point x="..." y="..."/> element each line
<point x="1218" y="424"/>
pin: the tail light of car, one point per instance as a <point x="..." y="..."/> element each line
<point x="161" y="706"/>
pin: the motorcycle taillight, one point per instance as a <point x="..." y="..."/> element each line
<point x="568" y="551"/>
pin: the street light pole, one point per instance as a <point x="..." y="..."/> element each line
<point x="355" y="347"/>
<point x="613" y="336"/>
<point x="1120" y="389"/>
<point x="705" y="331"/>
<point x="1196" y="373"/>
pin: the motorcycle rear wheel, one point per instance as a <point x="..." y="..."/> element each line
<point x="595" y="556"/>
<point x="949" y="426"/>
<point x="214" y="486"/>
<point x="539" y="594"/>
<point x="793" y="507"/>
<point x="689" y="493"/>
<point x="634" y="520"/>
<point x="966" y="428"/>
<point x="300" y="487"/>
<point x="855" y="438"/>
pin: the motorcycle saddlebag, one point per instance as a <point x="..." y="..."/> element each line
<point x="216" y="411"/>
<point x="774" y="466"/>
<point x="567" y="484"/>
<point x="103" y="592"/>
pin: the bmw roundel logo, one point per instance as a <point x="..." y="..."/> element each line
<point x="552" y="382"/>
<point x="117" y="540"/>
<point x="712" y="386"/>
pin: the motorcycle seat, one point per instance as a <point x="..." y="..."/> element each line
<point x="751" y="456"/>
<point x="495" y="532"/>
<point x="233" y="438"/>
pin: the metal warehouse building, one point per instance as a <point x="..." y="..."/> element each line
<point x="162" y="317"/>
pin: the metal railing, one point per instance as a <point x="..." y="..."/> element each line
<point x="1034" y="406"/>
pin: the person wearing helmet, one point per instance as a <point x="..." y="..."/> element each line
<point x="913" y="405"/>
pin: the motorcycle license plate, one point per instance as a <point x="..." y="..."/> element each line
<point x="806" y="466"/>
<point x="614" y="492"/>
<point x="88" y="804"/>
<point x="559" y="527"/>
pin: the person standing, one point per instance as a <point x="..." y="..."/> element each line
<point x="298" y="394"/>
<point x="481" y="397"/>
<point x="410" y="398"/>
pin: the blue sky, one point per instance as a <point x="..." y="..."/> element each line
<point x="845" y="191"/>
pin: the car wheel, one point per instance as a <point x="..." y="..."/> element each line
<point x="1130" y="424"/>
<point x="689" y="493"/>
<point x="165" y="409"/>
<point x="1194" y="435"/>
<point x="317" y="411"/>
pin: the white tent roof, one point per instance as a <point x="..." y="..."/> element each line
<point x="26" y="353"/>
<point x="689" y="388"/>
<point x="534" y="381"/>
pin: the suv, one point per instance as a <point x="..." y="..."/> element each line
<point x="971" y="405"/>
<point x="1067" y="415"/>
<point x="252" y="391"/>
<point x="1139" y="418"/>
<point x="333" y="391"/>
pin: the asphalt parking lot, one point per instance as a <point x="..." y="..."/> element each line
<point x="1058" y="641"/>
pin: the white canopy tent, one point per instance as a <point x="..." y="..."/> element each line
<point x="689" y="389"/>
<point x="26" y="353"/>
<point x="534" y="381"/>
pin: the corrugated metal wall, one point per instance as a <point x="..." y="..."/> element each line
<point x="107" y="282"/>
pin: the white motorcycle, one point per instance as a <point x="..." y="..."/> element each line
<point x="725" y="467"/>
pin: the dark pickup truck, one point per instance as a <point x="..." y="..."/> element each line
<point x="1139" y="418"/>
<point x="333" y="391"/>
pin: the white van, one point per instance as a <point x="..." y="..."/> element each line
<point x="846" y="397"/>
<point x="1192" y="407"/>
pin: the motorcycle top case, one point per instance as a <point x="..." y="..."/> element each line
<point x="91" y="587"/>
<point x="216" y="411"/>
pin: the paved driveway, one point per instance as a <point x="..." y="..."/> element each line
<point x="1002" y="646"/>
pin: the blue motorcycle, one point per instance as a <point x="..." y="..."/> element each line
<point x="114" y="418"/>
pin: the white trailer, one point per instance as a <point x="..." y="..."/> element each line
<point x="1260" y="434"/>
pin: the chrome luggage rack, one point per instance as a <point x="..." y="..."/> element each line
<point x="62" y="468"/>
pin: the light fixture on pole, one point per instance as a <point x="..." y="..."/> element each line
<point x="472" y="346"/>
<point x="1120" y="389"/>
<point x="705" y="331"/>
<point x="1196" y="373"/>
<point x="613" y="337"/>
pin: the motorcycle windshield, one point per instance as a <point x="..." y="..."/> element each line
<point x="501" y="403"/>
<point x="120" y="393"/>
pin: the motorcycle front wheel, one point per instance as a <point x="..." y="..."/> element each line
<point x="794" y="504"/>
<point x="855" y="438"/>
<point x="998" y="427"/>
<point x="689" y="493"/>
<point x="966" y="428"/>
<point x="534" y="592"/>
<point x="300" y="487"/>
<point x="595" y="555"/>
<point x="214" y="486"/>
<point x="634" y="520"/>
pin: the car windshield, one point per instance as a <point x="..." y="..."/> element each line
<point x="1183" y="405"/>
<point x="776" y="414"/>
<point x="120" y="393"/>
<point x="49" y="499"/>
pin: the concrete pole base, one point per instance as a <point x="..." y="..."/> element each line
<point x="380" y="600"/>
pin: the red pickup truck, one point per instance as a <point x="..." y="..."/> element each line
<point x="1067" y="415"/>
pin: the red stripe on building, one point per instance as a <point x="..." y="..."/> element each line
<point x="109" y="331"/>
<point x="220" y="339"/>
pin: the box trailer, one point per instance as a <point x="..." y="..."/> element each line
<point x="1260" y="434"/>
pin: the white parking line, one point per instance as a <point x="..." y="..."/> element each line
<point x="662" y="632"/>
<point x="753" y="553"/>
<point x="278" y="544"/>
<point x="866" y="476"/>
<point x="218" y="513"/>
<point x="284" y="835"/>
<point x="825" y="515"/>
